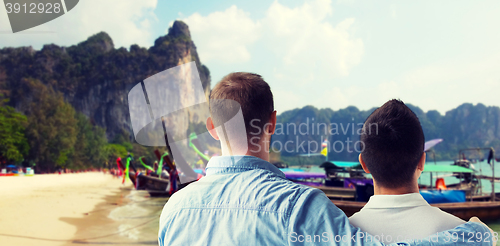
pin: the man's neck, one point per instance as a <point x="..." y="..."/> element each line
<point x="255" y="152"/>
<point x="379" y="190"/>
<point x="261" y="154"/>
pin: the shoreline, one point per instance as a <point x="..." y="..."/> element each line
<point x="48" y="209"/>
<point x="124" y="218"/>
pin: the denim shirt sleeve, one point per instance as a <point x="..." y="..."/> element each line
<point x="315" y="220"/>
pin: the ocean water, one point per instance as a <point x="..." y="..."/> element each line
<point x="481" y="168"/>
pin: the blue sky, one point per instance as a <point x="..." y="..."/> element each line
<point x="436" y="55"/>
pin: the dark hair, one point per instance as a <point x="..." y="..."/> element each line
<point x="393" y="144"/>
<point x="253" y="95"/>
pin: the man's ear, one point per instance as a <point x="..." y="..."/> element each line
<point x="271" y="126"/>
<point x="421" y="163"/>
<point x="363" y="165"/>
<point x="211" y="128"/>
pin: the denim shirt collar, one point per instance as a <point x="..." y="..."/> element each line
<point x="239" y="163"/>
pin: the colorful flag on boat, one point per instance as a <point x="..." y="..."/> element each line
<point x="324" y="144"/>
<point x="324" y="152"/>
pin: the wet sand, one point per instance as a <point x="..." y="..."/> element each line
<point x="129" y="217"/>
<point x="50" y="209"/>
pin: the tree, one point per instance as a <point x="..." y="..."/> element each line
<point x="13" y="143"/>
<point x="52" y="127"/>
<point x="89" y="149"/>
<point x="113" y="151"/>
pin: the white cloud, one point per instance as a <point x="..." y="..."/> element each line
<point x="308" y="43"/>
<point x="224" y="36"/>
<point x="324" y="48"/>
<point x="284" y="98"/>
<point x="126" y="21"/>
<point x="294" y="49"/>
<point x="441" y="86"/>
<point x="301" y="40"/>
<point x="393" y="12"/>
<point x="311" y="53"/>
<point x="387" y="90"/>
<point x="444" y="85"/>
<point x="346" y="2"/>
<point x="337" y="97"/>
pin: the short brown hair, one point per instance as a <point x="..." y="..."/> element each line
<point x="393" y="142"/>
<point x="253" y="95"/>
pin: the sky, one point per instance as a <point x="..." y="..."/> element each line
<point x="325" y="53"/>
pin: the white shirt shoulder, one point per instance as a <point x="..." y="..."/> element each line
<point x="406" y="216"/>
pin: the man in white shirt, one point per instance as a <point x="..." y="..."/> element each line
<point x="393" y="153"/>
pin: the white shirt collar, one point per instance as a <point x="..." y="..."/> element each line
<point x="396" y="201"/>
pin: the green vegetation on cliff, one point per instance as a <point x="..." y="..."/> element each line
<point x="13" y="143"/>
<point x="67" y="106"/>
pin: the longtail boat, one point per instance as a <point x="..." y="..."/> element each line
<point x="161" y="180"/>
<point x="348" y="199"/>
<point x="465" y="210"/>
<point x="484" y="206"/>
<point x="155" y="184"/>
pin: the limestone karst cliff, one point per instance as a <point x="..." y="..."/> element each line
<point x="94" y="76"/>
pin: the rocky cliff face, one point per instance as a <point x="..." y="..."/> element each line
<point x="466" y="126"/>
<point x="94" y="76"/>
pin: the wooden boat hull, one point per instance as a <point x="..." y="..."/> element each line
<point x="145" y="182"/>
<point x="349" y="207"/>
<point x="155" y="186"/>
<point x="465" y="210"/>
<point x="338" y="193"/>
<point x="483" y="210"/>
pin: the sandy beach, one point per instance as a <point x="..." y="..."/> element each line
<point x="75" y="209"/>
<point x="47" y="209"/>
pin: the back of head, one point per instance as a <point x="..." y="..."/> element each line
<point x="251" y="93"/>
<point x="393" y="144"/>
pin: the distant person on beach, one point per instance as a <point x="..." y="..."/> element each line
<point x="244" y="199"/>
<point x="393" y="153"/>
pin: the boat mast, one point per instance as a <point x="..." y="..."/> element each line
<point x="493" y="198"/>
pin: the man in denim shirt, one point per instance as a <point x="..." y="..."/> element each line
<point x="245" y="200"/>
